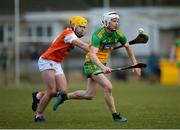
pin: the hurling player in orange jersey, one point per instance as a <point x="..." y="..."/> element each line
<point x="50" y="64"/>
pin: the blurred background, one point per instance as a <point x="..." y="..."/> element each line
<point x="27" y="28"/>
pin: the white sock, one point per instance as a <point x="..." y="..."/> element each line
<point x="38" y="96"/>
<point x="38" y="115"/>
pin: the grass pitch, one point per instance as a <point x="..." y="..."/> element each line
<point x="146" y="106"/>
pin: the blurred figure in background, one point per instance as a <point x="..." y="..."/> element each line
<point x="175" y="56"/>
<point x="3" y="59"/>
<point x="152" y="71"/>
<point x="50" y="64"/>
<point x="3" y="64"/>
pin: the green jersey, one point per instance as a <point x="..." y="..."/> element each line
<point x="178" y="50"/>
<point x="105" y="42"/>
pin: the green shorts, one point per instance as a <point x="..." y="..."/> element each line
<point x="178" y="64"/>
<point x="89" y="68"/>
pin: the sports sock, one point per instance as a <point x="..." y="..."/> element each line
<point x="114" y="115"/>
<point x="40" y="95"/>
<point x="64" y="96"/>
<point x="38" y="114"/>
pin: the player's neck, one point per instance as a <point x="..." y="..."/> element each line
<point x="109" y="31"/>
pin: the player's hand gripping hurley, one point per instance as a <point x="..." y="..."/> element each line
<point x="139" y="65"/>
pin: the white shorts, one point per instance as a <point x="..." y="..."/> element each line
<point x="49" y="64"/>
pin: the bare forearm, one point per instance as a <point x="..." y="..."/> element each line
<point x="81" y="44"/>
<point x="85" y="47"/>
<point x="96" y="61"/>
<point x="131" y="55"/>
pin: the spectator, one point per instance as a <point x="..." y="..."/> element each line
<point x="175" y="55"/>
<point x="152" y="72"/>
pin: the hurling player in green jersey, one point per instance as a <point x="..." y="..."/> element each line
<point x="102" y="42"/>
<point x="175" y="55"/>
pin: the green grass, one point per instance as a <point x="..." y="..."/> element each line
<point x="145" y="105"/>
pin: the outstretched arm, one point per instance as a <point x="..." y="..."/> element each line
<point x="73" y="39"/>
<point x="81" y="44"/>
<point x="132" y="57"/>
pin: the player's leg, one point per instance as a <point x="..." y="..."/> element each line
<point x="106" y="84"/>
<point x="92" y="87"/>
<point x="102" y="80"/>
<point x="48" y="77"/>
<point x="87" y="94"/>
<point x="80" y="94"/>
<point x="61" y="85"/>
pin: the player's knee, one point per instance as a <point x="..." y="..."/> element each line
<point x="63" y="91"/>
<point x="108" y="89"/>
<point x="51" y="93"/>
